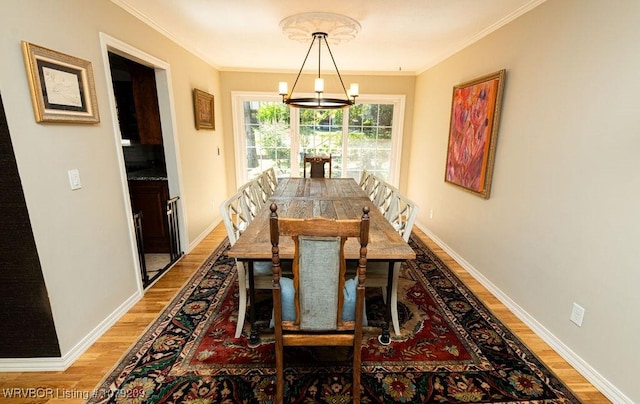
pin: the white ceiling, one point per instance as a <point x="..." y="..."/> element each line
<point x="401" y="37"/>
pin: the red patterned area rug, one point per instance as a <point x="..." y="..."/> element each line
<point x="451" y="350"/>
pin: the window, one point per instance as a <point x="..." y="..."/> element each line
<point x="371" y="139"/>
<point x="321" y="133"/>
<point x="270" y="134"/>
<point x="264" y="138"/>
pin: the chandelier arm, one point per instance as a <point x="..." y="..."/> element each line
<point x="302" y="67"/>
<point x="336" y="66"/>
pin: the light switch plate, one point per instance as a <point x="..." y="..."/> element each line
<point x="74" y="179"/>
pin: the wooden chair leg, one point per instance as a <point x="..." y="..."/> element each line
<point x="394" y="299"/>
<point x="279" y="348"/>
<point x="357" y="345"/>
<point x="242" y="303"/>
<point x="356" y="381"/>
<point x="279" y="377"/>
<point x="242" y="310"/>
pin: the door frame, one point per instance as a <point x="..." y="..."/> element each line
<point x="169" y="134"/>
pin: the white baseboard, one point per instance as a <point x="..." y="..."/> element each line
<point x="204" y="234"/>
<point x="62" y="363"/>
<point x="589" y="373"/>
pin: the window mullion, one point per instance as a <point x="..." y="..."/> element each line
<point x="294" y="125"/>
<point x="345" y="142"/>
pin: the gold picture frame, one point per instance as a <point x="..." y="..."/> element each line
<point x="473" y="133"/>
<point x="62" y="86"/>
<point x="203" y="109"/>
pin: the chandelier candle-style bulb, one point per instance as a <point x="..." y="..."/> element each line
<point x="283" y="88"/>
<point x="354" y="90"/>
<point x="319" y="85"/>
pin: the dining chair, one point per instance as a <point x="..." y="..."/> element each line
<point x="373" y="187"/>
<point x="365" y="179"/>
<point x="319" y="269"/>
<point x="384" y="198"/>
<point x="316" y="164"/>
<point x="253" y="197"/>
<point x="271" y="180"/>
<point x="401" y="212"/>
<point x="265" y="185"/>
<point x="236" y="214"/>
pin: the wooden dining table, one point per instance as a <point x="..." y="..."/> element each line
<point x="335" y="198"/>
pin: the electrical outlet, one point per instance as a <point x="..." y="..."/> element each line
<point x="577" y="314"/>
<point x="431" y="214"/>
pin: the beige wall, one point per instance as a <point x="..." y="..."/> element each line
<point x="560" y="227"/>
<point x="83" y="236"/>
<point x="268" y="82"/>
<point x="562" y="224"/>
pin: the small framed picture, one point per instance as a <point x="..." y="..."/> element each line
<point x="203" y="108"/>
<point x="62" y="86"/>
<point x="473" y="132"/>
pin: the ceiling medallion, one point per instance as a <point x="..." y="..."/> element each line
<point x="321" y="27"/>
<point x="301" y="27"/>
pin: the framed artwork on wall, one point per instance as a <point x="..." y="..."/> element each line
<point x="203" y="108"/>
<point x="473" y="132"/>
<point x="62" y="86"/>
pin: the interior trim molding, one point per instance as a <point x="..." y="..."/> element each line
<point x="485" y="32"/>
<point x="67" y="359"/>
<point x="157" y="27"/>
<point x="204" y="234"/>
<point x="586" y="370"/>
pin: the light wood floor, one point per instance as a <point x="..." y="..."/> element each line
<point x="84" y="375"/>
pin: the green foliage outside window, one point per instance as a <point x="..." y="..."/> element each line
<point x="321" y="133"/>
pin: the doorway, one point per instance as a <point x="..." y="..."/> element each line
<point x="140" y="93"/>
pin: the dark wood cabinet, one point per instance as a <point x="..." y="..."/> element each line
<point x="137" y="100"/>
<point x="150" y="197"/>
<point x="145" y="99"/>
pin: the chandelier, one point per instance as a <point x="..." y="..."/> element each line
<point x="319" y="24"/>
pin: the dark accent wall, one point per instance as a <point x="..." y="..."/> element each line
<point x="26" y="322"/>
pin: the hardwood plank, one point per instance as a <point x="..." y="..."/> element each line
<point x="85" y="374"/>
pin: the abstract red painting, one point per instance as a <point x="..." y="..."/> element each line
<point x="475" y="111"/>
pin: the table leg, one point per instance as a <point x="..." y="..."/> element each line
<point x="253" y="336"/>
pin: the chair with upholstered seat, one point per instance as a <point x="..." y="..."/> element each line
<point x="237" y="212"/>
<point x="319" y="269"/>
<point x="317" y="166"/>
<point x="401" y="212"/>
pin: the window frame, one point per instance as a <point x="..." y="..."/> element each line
<point x="239" y="97"/>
